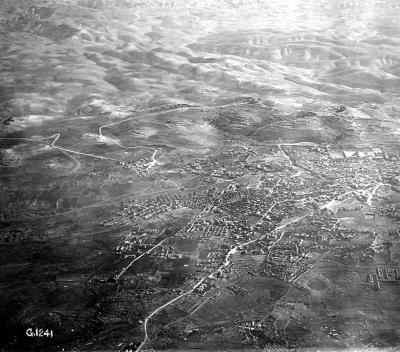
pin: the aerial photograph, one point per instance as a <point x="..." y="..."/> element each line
<point x="199" y="175"/>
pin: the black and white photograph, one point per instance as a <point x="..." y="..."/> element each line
<point x="199" y="175"/>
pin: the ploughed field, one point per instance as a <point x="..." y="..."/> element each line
<point x="214" y="174"/>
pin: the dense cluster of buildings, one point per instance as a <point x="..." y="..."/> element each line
<point x="229" y="214"/>
<point x="237" y="290"/>
<point x="13" y="236"/>
<point x="383" y="274"/>
<point x="163" y="203"/>
<point x="356" y="168"/>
